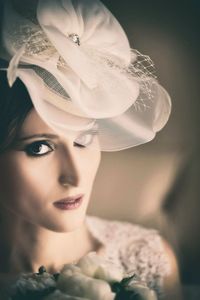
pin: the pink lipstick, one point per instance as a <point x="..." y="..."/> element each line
<point x="69" y="202"/>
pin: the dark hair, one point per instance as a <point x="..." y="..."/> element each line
<point x="15" y="103"/>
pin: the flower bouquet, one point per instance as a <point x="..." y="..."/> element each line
<point x="92" y="278"/>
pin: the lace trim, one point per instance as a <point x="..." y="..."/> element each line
<point x="134" y="248"/>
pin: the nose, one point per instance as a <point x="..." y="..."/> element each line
<point x="69" y="173"/>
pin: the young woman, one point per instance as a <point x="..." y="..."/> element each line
<point x="70" y="88"/>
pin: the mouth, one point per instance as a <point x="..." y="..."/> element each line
<point x="69" y="202"/>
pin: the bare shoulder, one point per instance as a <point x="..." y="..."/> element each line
<point x="172" y="280"/>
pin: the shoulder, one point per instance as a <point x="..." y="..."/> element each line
<point x="171" y="282"/>
<point x="140" y="250"/>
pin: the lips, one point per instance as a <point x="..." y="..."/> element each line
<point x="70" y="199"/>
<point x="69" y="203"/>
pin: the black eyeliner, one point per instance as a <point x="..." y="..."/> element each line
<point x="27" y="148"/>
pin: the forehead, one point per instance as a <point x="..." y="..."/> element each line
<point x="34" y="124"/>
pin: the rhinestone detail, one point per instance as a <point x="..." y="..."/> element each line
<point x="75" y="38"/>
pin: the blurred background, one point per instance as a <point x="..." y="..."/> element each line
<point x="158" y="184"/>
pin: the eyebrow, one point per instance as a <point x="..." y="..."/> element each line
<point x="41" y="135"/>
<point x="49" y="135"/>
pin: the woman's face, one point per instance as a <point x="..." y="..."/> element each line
<point x="33" y="172"/>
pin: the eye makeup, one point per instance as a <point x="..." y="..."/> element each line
<point x="39" y="148"/>
<point x="45" y="146"/>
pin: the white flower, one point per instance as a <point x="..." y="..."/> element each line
<point x="95" y="266"/>
<point x="73" y="282"/>
<point x="141" y="289"/>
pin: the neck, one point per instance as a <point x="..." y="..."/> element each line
<point x="25" y="247"/>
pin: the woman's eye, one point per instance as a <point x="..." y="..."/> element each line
<point x="39" y="148"/>
<point x="85" y="139"/>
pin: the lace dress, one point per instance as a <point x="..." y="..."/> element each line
<point x="134" y="248"/>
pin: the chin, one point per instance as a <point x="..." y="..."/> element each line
<point x="67" y="224"/>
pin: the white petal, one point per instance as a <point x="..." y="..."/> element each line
<point x="13" y="66"/>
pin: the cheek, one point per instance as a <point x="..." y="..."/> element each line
<point x="23" y="184"/>
<point x="91" y="165"/>
<point x="28" y="185"/>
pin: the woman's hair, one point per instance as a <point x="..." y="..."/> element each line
<point x="15" y="103"/>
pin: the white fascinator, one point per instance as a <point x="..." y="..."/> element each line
<point x="81" y="74"/>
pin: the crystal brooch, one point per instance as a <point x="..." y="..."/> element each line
<point x="75" y="38"/>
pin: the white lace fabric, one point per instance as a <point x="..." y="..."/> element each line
<point x="134" y="248"/>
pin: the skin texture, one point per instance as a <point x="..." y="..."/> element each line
<point x="28" y="187"/>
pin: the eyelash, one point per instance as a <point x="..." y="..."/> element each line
<point x="29" y="148"/>
<point x="92" y="133"/>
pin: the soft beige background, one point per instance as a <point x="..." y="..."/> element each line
<point x="157" y="184"/>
